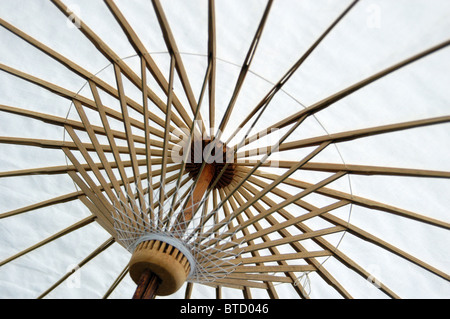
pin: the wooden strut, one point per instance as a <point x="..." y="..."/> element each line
<point x="149" y="282"/>
<point x="147" y="286"/>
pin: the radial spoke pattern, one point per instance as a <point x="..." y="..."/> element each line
<point x="277" y="208"/>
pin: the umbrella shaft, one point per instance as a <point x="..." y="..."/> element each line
<point x="203" y="182"/>
<point x="147" y="286"/>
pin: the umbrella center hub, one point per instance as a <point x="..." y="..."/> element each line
<point x="216" y="155"/>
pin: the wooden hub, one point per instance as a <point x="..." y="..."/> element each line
<point x="161" y="260"/>
<point x="217" y="160"/>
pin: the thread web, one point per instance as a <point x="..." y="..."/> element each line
<point x="209" y="256"/>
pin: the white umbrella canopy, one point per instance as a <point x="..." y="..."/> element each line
<point x="353" y="95"/>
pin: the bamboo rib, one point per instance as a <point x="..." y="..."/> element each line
<point x="292" y="199"/>
<point x="149" y="63"/>
<point x="166" y="133"/>
<point x="60" y="121"/>
<point x="173" y="49"/>
<point x="296" y="245"/>
<point x="49" y="202"/>
<point x="348" y="136"/>
<point x="65" y="231"/>
<point x="147" y="142"/>
<point x="355" y="169"/>
<point x="96" y="205"/>
<point x="56" y="144"/>
<point x="382" y="244"/>
<point x="269" y="269"/>
<point x="113" y="58"/>
<point x="286" y="240"/>
<point x="92" y="255"/>
<point x="212" y="62"/>
<point x="279" y="180"/>
<point x="75" y="68"/>
<point x="361" y="201"/>
<point x="262" y="277"/>
<point x="116" y="282"/>
<point x="351" y="135"/>
<point x="190" y="139"/>
<point x="245" y="68"/>
<point x="327" y="277"/>
<point x="273" y="250"/>
<point x="353" y="88"/>
<point x="62" y="169"/>
<point x="108" y="169"/>
<point x="278" y="86"/>
<point x="338" y="222"/>
<point x="227" y="212"/>
<point x="385" y="245"/>
<point x="104" y="203"/>
<point x="75" y="195"/>
<point x="270" y="289"/>
<point x="290" y="222"/>
<point x="275" y="183"/>
<point x="345" y="92"/>
<point x="129" y="133"/>
<point x="67" y="94"/>
<point x="276" y="226"/>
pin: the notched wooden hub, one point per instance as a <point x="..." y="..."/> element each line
<point x="218" y="157"/>
<point x="167" y="262"/>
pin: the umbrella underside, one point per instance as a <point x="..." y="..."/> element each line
<point x="171" y="136"/>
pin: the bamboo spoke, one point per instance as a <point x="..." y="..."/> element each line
<point x="104" y="161"/>
<point x="62" y="169"/>
<point x="68" y="230"/>
<point x="68" y="94"/>
<point x="173" y="49"/>
<point x="326" y="276"/>
<point x="276" y="182"/>
<point x="60" y="121"/>
<point x="102" y="200"/>
<point x="114" y="58"/>
<point x="75" y="68"/>
<point x="116" y="282"/>
<point x="340" y="223"/>
<point x="245" y="68"/>
<point x="345" y="92"/>
<point x="190" y="139"/>
<point x="147" y="59"/>
<point x="49" y="202"/>
<point x="278" y="86"/>
<point x="351" y="135"/>
<point x="296" y="246"/>
<point x="94" y="204"/>
<point x="147" y="143"/>
<point x="355" y="169"/>
<point x="270" y="269"/>
<point x="92" y="255"/>
<point x="212" y="62"/>
<point x="361" y="201"/>
<point x="270" y="289"/>
<point x="128" y="133"/>
<point x="383" y="244"/>
<point x="54" y="144"/>
<point x="166" y="134"/>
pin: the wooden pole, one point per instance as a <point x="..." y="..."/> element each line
<point x="149" y="282"/>
<point x="147" y="286"/>
<point x="204" y="180"/>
